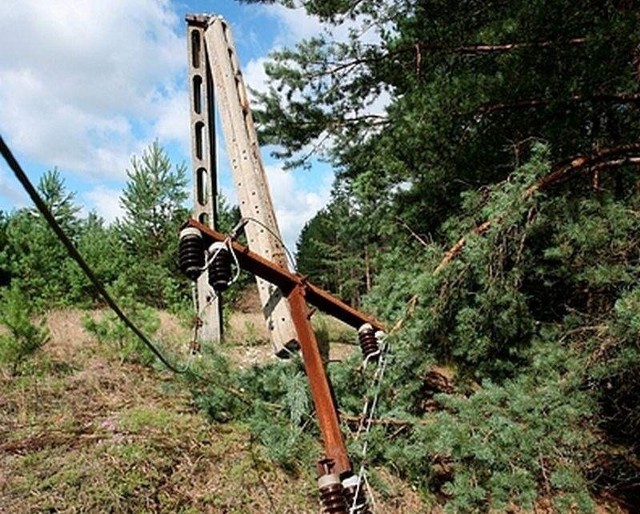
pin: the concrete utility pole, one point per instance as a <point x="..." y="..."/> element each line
<point x="283" y="293"/>
<point x="203" y="157"/>
<point x="212" y="36"/>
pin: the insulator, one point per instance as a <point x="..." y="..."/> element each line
<point x="350" y="487"/>
<point x="191" y="252"/>
<point x="368" y="342"/>
<point x="332" y="494"/>
<point x="220" y="267"/>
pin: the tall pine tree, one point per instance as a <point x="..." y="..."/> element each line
<point x="153" y="203"/>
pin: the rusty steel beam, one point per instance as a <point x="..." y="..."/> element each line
<point x="286" y="280"/>
<point x="326" y="410"/>
<point x="299" y="292"/>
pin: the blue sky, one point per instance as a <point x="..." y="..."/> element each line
<point x="86" y="84"/>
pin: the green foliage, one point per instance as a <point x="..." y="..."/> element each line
<point x="537" y="317"/>
<point x="109" y="329"/>
<point x="153" y="204"/>
<point x="463" y="108"/>
<point x="32" y="256"/>
<point x="272" y="400"/>
<point x="23" y="337"/>
<point x="535" y="312"/>
<point x="332" y="248"/>
<point x="499" y="444"/>
<point x="5" y="274"/>
<point x="104" y="252"/>
<point x="135" y="257"/>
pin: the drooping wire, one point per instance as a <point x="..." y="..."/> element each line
<point x="292" y="261"/>
<point x="76" y="256"/>
<point x="367" y="418"/>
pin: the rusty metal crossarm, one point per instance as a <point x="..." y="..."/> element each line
<point x="287" y="280"/>
<point x="299" y="292"/>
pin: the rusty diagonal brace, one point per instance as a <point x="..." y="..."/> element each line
<point x="299" y="292"/>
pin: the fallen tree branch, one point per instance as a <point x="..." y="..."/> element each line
<point x="622" y="98"/>
<point x="456" y="248"/>
<point x="601" y="159"/>
<point x="393" y="422"/>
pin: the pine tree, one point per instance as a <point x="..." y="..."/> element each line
<point x="153" y="211"/>
<point x="471" y="85"/>
<point x="512" y="264"/>
<point x="33" y="256"/>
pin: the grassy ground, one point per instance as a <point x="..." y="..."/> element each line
<point x="81" y="430"/>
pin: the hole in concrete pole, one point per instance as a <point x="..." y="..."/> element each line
<point x="201" y="186"/>
<point x="199" y="140"/>
<point x="197" y="94"/>
<point x="204" y="218"/>
<point x="195" y="48"/>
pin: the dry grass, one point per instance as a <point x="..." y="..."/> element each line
<point x="82" y="431"/>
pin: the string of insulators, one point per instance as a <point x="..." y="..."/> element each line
<point x="368" y="342"/>
<point x="351" y="489"/>
<point x="191" y="252"/>
<point x="220" y="267"/>
<point x="332" y="494"/>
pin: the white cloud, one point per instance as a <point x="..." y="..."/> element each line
<point x="106" y="202"/>
<point x="297" y="24"/>
<point x="255" y="76"/>
<point x="10" y="190"/>
<point x="173" y="120"/>
<point x="295" y="203"/>
<point x="75" y="74"/>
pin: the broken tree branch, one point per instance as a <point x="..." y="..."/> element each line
<point x="600" y="159"/>
<point x="622" y="98"/>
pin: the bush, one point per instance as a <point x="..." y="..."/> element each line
<point x="24" y="336"/>
<point x="108" y="328"/>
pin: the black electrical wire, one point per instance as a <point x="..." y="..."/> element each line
<point x="75" y="255"/>
<point x="244" y="221"/>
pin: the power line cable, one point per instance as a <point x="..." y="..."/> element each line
<point x="75" y="254"/>
<point x="292" y="261"/>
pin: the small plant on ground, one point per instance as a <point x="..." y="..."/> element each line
<point x="108" y="328"/>
<point x="24" y="337"/>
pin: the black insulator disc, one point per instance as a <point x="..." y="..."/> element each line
<point x="191" y="253"/>
<point x="220" y="270"/>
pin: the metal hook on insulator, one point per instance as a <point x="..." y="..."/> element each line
<point x="331" y="491"/>
<point x="191" y="252"/>
<point x="368" y="342"/>
<point x="354" y="495"/>
<point x="219" y="267"/>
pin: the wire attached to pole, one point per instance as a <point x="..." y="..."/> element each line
<point x="292" y="261"/>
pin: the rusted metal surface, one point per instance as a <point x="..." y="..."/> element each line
<point x="299" y="292"/>
<point x="319" y="385"/>
<point x="286" y="280"/>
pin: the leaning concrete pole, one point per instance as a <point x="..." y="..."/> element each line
<point x="203" y="157"/>
<point x="249" y="176"/>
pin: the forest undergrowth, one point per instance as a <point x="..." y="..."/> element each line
<point x="88" y="424"/>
